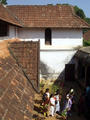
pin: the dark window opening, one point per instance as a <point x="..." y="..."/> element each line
<point x="48" y="36"/>
<point x="3" y="29"/>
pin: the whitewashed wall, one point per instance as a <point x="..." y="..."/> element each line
<point x="11" y="33"/>
<point x="53" y="62"/>
<point x="54" y="57"/>
<point x="65" y="38"/>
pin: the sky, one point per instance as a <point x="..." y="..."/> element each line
<point x="83" y="4"/>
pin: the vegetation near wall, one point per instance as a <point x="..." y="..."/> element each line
<point x="86" y="43"/>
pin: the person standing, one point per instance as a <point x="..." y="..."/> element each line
<point x="57" y="102"/>
<point x="67" y="110"/>
<point x="52" y="105"/>
<point x="45" y="102"/>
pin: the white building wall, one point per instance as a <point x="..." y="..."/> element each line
<point x="61" y="38"/>
<point x="11" y="33"/>
<point x="54" y="57"/>
<point x="66" y="38"/>
<point x="53" y="62"/>
<point x="33" y="34"/>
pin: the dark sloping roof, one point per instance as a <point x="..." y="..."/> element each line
<point x="16" y="92"/>
<point x="7" y="16"/>
<point x="83" y="54"/>
<point x="86" y="35"/>
<point x="85" y="49"/>
<point x="60" y="16"/>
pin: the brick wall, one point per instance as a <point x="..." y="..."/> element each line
<point x="27" y="56"/>
<point x="16" y="88"/>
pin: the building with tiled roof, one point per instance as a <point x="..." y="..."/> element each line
<point x="6" y="16"/>
<point x="86" y="35"/>
<point x="83" y="66"/>
<point x="17" y="84"/>
<point x="57" y="27"/>
<point x="59" y="16"/>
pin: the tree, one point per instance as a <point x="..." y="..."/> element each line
<point x="79" y="12"/>
<point x="3" y="2"/>
<point x="87" y="20"/>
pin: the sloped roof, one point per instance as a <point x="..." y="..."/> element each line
<point x="16" y="92"/>
<point x="7" y="16"/>
<point x="86" y="35"/>
<point x="60" y="16"/>
<point x="83" y="54"/>
<point x="85" y="49"/>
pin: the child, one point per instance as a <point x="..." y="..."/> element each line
<point x="52" y="105"/>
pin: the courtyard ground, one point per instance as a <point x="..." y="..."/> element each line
<point x="37" y="115"/>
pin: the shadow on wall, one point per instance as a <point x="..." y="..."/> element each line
<point x="44" y="70"/>
<point x="48" y="74"/>
<point x="68" y="73"/>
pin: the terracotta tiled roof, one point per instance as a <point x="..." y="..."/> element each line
<point x="7" y="16"/>
<point x="16" y="92"/>
<point x="86" y="35"/>
<point x="60" y="16"/>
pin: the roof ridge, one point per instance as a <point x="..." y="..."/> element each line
<point x="39" y="15"/>
<point x="13" y="15"/>
<point x="82" y="20"/>
<point x="41" y="5"/>
<point x="7" y="15"/>
<point x="73" y="13"/>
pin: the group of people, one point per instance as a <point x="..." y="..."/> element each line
<point x="51" y="103"/>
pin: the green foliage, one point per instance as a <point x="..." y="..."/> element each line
<point x="87" y="20"/>
<point x="3" y="2"/>
<point x="79" y="12"/>
<point x="54" y="88"/>
<point x="86" y="43"/>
